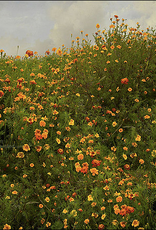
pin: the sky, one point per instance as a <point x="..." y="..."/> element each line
<point x="43" y="25"/>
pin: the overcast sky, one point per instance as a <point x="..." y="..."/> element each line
<point x="43" y="25"/>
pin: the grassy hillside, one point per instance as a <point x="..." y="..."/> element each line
<point x="78" y="134"/>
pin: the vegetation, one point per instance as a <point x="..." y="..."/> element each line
<point x="77" y="134"/>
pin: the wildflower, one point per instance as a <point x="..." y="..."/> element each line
<point x="6" y="227"/>
<point x="59" y="52"/>
<point x="127" y="167"/>
<point x="124" y="81"/>
<point x="42" y="123"/>
<point x="94" y="171"/>
<point x="31" y="165"/>
<point x="80" y="157"/>
<point x="93" y="204"/>
<point x="119" y="199"/>
<point x="65" y="211"/>
<point x="112" y="26"/>
<point x="125" y="148"/>
<point x="101" y="226"/>
<point x="48" y="224"/>
<point x="14" y="192"/>
<point x="1" y="93"/>
<point x="141" y="161"/>
<point x="26" y="147"/>
<point x="73" y="213"/>
<point x="129" y="89"/>
<point x="147" y="117"/>
<point x="38" y="148"/>
<point x="120" y="130"/>
<point x="138" y="138"/>
<point x="71" y="122"/>
<point x="55" y="112"/>
<point x="97" y="26"/>
<point x="47" y="52"/>
<point x="123" y="224"/>
<point x="29" y="53"/>
<point x="47" y="199"/>
<point x="96" y="135"/>
<point x="114" y="124"/>
<point x="106" y="187"/>
<point x="96" y="163"/>
<point x="20" y="155"/>
<point x="78" y="168"/>
<point x="68" y="129"/>
<point x="103" y="216"/>
<point x="90" y="198"/>
<point x="124" y="156"/>
<point x="86" y="221"/>
<point x="40" y="205"/>
<point x="119" y="47"/>
<point x="25" y="175"/>
<point x="112" y="47"/>
<point x="117" y="211"/>
<point x="54" y="49"/>
<point x="58" y="140"/>
<point x="135" y="223"/>
<point x="114" y="222"/>
<point x="136" y="100"/>
<point x="134" y="144"/>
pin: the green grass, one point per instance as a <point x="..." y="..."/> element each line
<point x="77" y="134"/>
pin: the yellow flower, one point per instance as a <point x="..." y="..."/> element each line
<point x="124" y="156"/>
<point x="59" y="52"/>
<point x="58" y="141"/>
<point x="31" y="165"/>
<point x="73" y="213"/>
<point x="90" y="198"/>
<point x="135" y="223"/>
<point x="47" y="199"/>
<point x="71" y="122"/>
<point x="78" y="94"/>
<point x="26" y="147"/>
<point x="6" y="227"/>
<point x="14" y="192"/>
<point x="138" y="138"/>
<point x="65" y="211"/>
<point x="103" y="216"/>
<point x="129" y="89"/>
<point x="97" y="26"/>
<point x="114" y="124"/>
<point x="20" y="155"/>
<point x="114" y="222"/>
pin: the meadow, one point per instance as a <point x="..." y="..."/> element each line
<point x="78" y="133"/>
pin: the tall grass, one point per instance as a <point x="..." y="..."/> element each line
<point x="78" y="135"/>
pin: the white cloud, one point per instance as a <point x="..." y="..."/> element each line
<point x="42" y="25"/>
<point x="74" y="17"/>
